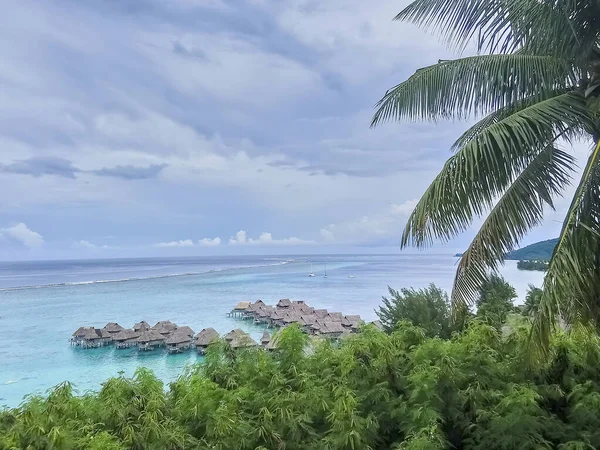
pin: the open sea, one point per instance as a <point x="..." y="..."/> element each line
<point x="42" y="303"/>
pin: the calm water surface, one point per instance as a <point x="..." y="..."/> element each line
<point x="42" y="303"/>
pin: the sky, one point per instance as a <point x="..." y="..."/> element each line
<point x="205" y="127"/>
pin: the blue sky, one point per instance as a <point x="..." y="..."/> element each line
<point x="191" y="127"/>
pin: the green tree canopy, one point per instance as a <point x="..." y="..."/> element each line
<point x="533" y="84"/>
<point x="427" y="308"/>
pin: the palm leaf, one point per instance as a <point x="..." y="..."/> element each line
<point x="518" y="210"/>
<point x="473" y="86"/>
<point x="474" y="177"/>
<point x="497" y="25"/>
<point x="572" y="283"/>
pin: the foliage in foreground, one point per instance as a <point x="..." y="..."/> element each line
<point x="534" y="84"/>
<point x="400" y="390"/>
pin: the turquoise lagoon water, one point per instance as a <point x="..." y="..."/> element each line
<point x="42" y="303"/>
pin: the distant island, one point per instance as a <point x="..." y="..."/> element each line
<point x="540" y="251"/>
<point x="532" y="257"/>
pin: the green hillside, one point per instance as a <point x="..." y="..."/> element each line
<point x="538" y="251"/>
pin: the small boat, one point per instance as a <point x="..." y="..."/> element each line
<point x="351" y="276"/>
<point x="325" y="276"/>
<point x="311" y="273"/>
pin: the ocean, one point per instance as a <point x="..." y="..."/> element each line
<point x="43" y="303"/>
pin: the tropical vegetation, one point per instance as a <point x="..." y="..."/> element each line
<point x="402" y="389"/>
<point x="533" y="83"/>
<point x="533" y="265"/>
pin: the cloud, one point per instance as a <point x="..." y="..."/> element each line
<point x="382" y="226"/>
<point x="205" y="242"/>
<point x="208" y="242"/>
<point x="22" y="234"/>
<point x="131" y="172"/>
<point x="38" y="166"/>
<point x="183" y="243"/>
<point x="83" y="244"/>
<point x="265" y="239"/>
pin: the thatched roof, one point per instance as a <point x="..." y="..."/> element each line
<point x="308" y="319"/>
<point x="266" y="338"/>
<point x="82" y="331"/>
<point x="150" y="336"/>
<point x="298" y="302"/>
<point x="113" y="327"/>
<point x="206" y="337"/>
<point x="242" y="340"/>
<point x="242" y="306"/>
<point x="185" y="329"/>
<point x="178" y="337"/>
<point x="320" y="313"/>
<point x="378" y="324"/>
<point x="291" y="318"/>
<point x="271" y="345"/>
<point x="258" y="304"/>
<point x="351" y="321"/>
<point x="265" y="311"/>
<point x="125" y="335"/>
<point x="334" y="317"/>
<point x="331" y="327"/>
<point x="142" y="326"/>
<point x="234" y="333"/>
<point x="167" y="324"/>
<point x="284" y="303"/>
<point x="105" y="334"/>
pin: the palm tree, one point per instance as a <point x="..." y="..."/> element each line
<point x="534" y="84"/>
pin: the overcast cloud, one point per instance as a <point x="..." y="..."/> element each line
<point x="162" y="128"/>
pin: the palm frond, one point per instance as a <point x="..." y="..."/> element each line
<point x="500" y="114"/>
<point x="473" y="86"/>
<point x="517" y="211"/>
<point x="480" y="172"/>
<point x="572" y="283"/>
<point x="498" y="25"/>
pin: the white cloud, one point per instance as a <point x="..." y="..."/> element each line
<point x="90" y="246"/>
<point x="265" y="238"/>
<point x="22" y="234"/>
<point x="182" y="243"/>
<point x="205" y="242"/>
<point x="208" y="242"/>
<point x="384" y="224"/>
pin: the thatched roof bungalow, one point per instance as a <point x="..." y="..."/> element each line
<point x="206" y="337"/>
<point x="265" y="339"/>
<point x="165" y="327"/>
<point x="90" y="337"/>
<point x="258" y="304"/>
<point x="178" y="341"/>
<point x="292" y="317"/>
<point x="185" y="329"/>
<point x="320" y="313"/>
<point x="284" y="303"/>
<point x="334" y="317"/>
<point x="377" y="324"/>
<point x="113" y="327"/>
<point x="351" y="322"/>
<point x="242" y="340"/>
<point x="150" y="339"/>
<point x="126" y="338"/>
<point x="141" y="326"/>
<point x="331" y="329"/>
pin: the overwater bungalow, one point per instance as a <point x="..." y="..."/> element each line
<point x="351" y="322"/>
<point x="334" y="317"/>
<point x="276" y="318"/>
<point x="78" y="335"/>
<point x="265" y="339"/>
<point x="240" y="339"/>
<point x="126" y="338"/>
<point x="141" y="326"/>
<point x="253" y="309"/>
<point x="263" y="314"/>
<point x="284" y="303"/>
<point x="320" y="313"/>
<point x="165" y="327"/>
<point x="150" y="339"/>
<point x="206" y="337"/>
<point x="331" y="329"/>
<point x="113" y="328"/>
<point x="179" y="341"/>
<point x="291" y="317"/>
<point x="94" y="338"/>
<point x="185" y="329"/>
<point x="239" y="310"/>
